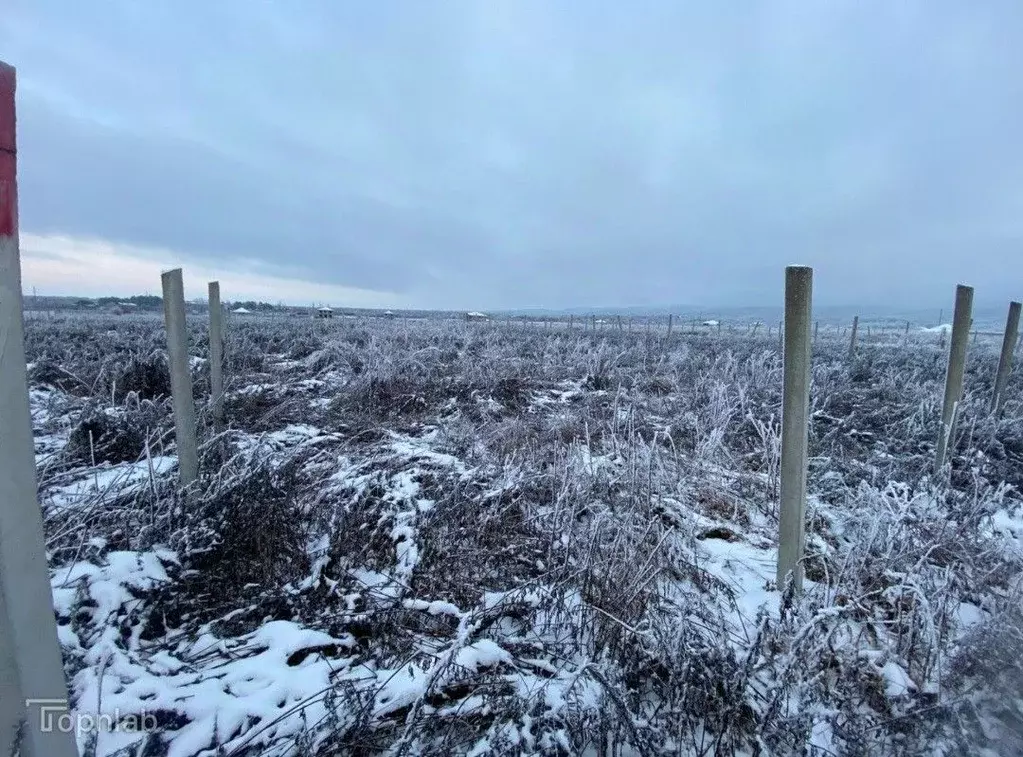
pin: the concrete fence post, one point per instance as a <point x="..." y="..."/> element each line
<point x="1005" y="361"/>
<point x="852" y="339"/>
<point x="670" y="318"/>
<point x="781" y="337"/>
<point x="181" y="375"/>
<point x="816" y="329"/>
<point x="795" y="420"/>
<point x="31" y="667"/>
<point x="216" y="356"/>
<point x="961" y="319"/>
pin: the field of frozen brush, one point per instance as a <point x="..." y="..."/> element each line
<point x="464" y="538"/>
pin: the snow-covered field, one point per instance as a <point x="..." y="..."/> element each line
<point x="463" y="538"/>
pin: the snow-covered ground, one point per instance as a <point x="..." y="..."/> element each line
<point x="468" y="538"/>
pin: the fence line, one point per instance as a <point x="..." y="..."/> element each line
<point x="31" y="667"/>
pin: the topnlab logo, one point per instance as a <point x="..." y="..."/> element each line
<point x="55" y="715"/>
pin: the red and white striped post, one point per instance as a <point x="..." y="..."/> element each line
<point x="31" y="668"/>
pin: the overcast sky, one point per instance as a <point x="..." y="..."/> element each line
<point x="514" y="153"/>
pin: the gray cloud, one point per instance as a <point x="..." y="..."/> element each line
<point x="533" y="153"/>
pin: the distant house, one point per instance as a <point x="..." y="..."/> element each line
<point x="476" y="316"/>
<point x="324" y="313"/>
<point x="121" y="308"/>
<point x="388" y="314"/>
<point x="241" y="311"/>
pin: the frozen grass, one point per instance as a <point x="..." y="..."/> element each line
<point x="464" y="538"/>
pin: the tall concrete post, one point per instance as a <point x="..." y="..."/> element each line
<point x="216" y="357"/>
<point x="961" y="319"/>
<point x="1005" y="362"/>
<point x="852" y="339"/>
<point x="794" y="428"/>
<point x="670" y="318"/>
<point x="31" y="667"/>
<point x="181" y="376"/>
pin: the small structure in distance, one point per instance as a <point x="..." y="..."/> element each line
<point x="324" y="312"/>
<point x="476" y="316"/>
<point x="241" y="311"/>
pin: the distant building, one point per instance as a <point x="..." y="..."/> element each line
<point x="241" y="311"/>
<point x="121" y="308"/>
<point x="324" y="313"/>
<point x="388" y="314"/>
<point x="476" y="316"/>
